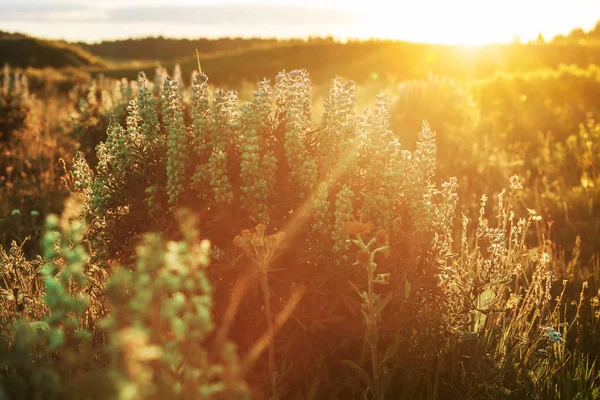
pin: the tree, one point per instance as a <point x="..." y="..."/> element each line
<point x="540" y="38"/>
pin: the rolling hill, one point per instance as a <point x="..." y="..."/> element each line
<point x="376" y="59"/>
<point x="22" y="51"/>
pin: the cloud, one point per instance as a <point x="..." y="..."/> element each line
<point x="185" y="14"/>
<point x="39" y="11"/>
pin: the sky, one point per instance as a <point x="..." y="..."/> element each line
<point x="433" y="21"/>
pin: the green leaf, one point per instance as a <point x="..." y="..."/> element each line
<point x="382" y="303"/>
<point x="390" y="352"/>
<point x="57" y="338"/>
<point x="360" y="293"/>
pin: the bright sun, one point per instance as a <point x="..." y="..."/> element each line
<point x="466" y="22"/>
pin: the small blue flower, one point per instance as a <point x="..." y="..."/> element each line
<point x="552" y="335"/>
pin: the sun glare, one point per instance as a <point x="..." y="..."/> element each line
<point x="467" y="22"/>
<point x="421" y="26"/>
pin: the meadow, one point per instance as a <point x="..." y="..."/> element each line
<point x="300" y="220"/>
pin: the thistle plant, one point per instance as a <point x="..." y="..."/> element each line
<point x="383" y="165"/>
<point x="259" y="164"/>
<point x="292" y="97"/>
<point x="177" y="150"/>
<point x="148" y="118"/>
<point x="219" y="143"/>
<point x="160" y="75"/>
<point x="201" y="116"/>
<point x="336" y="136"/>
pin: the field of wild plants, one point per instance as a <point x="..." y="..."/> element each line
<point x="166" y="239"/>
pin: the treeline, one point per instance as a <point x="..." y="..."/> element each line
<point x="168" y="49"/>
<point x="163" y="49"/>
<point x="578" y="35"/>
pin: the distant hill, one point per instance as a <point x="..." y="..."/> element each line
<point x="25" y="51"/>
<point x="379" y="59"/>
<point x="167" y="49"/>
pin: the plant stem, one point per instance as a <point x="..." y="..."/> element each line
<point x="372" y="328"/>
<point x="272" y="373"/>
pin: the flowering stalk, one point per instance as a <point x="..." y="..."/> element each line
<point x="177" y="156"/>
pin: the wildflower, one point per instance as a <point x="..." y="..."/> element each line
<point x="552" y="335"/>
<point x="515" y="183"/>
<point x="258" y="162"/>
<point x="337" y="128"/>
<point x="292" y="97"/>
<point x="176" y="140"/>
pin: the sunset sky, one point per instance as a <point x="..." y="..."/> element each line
<point x="435" y="21"/>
